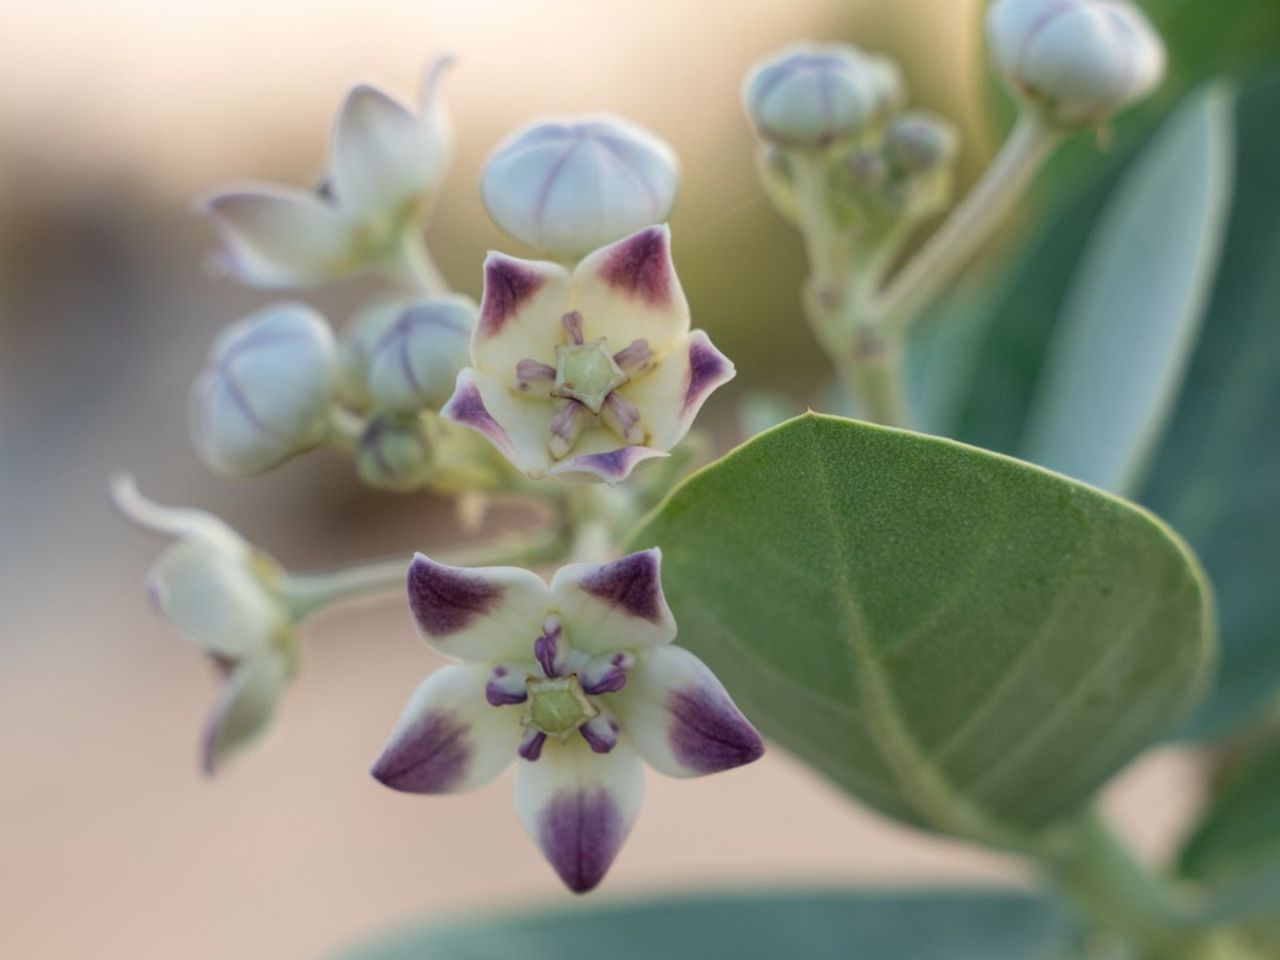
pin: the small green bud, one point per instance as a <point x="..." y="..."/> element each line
<point x="395" y="453"/>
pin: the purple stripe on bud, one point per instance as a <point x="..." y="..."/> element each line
<point x="445" y="599"/>
<point x="572" y="322"/>
<point x="631" y="584"/>
<point x="531" y="745"/>
<point x="466" y="407"/>
<point x="580" y="832"/>
<point x="634" y="358"/>
<point x="508" y="286"/>
<point x="431" y="756"/>
<point x="640" y="267"/>
<point x="708" y="732"/>
<point x="550" y="649"/>
<point x="601" y="733"/>
<point x="708" y="369"/>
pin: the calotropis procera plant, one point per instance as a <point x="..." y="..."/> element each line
<point x="965" y="642"/>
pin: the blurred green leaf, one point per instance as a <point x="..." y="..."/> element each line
<point x="812" y="925"/>
<point x="1216" y="476"/>
<point x="963" y="641"/>
<point x="1132" y="313"/>
<point x="1235" y="848"/>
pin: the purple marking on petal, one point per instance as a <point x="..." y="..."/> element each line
<point x="531" y="746"/>
<point x="445" y="599"/>
<point x="612" y="467"/>
<point x="632" y="584"/>
<point x="640" y="267"/>
<point x="430" y="757"/>
<point x="466" y="406"/>
<point x="581" y="832"/>
<point x="508" y="285"/>
<point x="708" y="733"/>
<point x="708" y="368"/>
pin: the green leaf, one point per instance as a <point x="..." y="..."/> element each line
<point x="1235" y="848"/>
<point x="812" y="925"/>
<point x="1216" y="475"/>
<point x="965" y="642"/>
<point x="1132" y="314"/>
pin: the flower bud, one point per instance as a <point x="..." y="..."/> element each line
<point x="919" y="142"/>
<point x="568" y="187"/>
<point x="415" y="362"/>
<point x="264" y="394"/>
<point x="812" y="95"/>
<point x="395" y="453"/>
<point x="1076" y="60"/>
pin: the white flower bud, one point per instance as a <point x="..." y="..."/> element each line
<point x="395" y="453"/>
<point x="812" y="95"/>
<point x="264" y="394"/>
<point x="568" y="187"/>
<point x="919" y="142"/>
<point x="415" y="361"/>
<point x="1076" y="60"/>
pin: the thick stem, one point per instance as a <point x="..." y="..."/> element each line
<point x="1089" y="864"/>
<point x="970" y="225"/>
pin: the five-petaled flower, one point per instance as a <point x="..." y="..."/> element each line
<point x="580" y="681"/>
<point x="385" y="166"/>
<point x="220" y="591"/>
<point x="589" y="372"/>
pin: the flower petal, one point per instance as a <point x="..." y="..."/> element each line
<point x="681" y="718"/>
<point x="629" y="290"/>
<point x="579" y="806"/>
<point x="383" y="156"/>
<point x="614" y="606"/>
<point x="449" y="738"/>
<point x="277" y="237"/>
<point x="519" y="428"/>
<point x="520" y="313"/>
<point x="246" y="706"/>
<point x="670" y="396"/>
<point x="483" y="614"/>
<point x="611" y="466"/>
<point x="215" y="599"/>
<point x="173" y="521"/>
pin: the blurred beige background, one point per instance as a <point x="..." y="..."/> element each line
<point x="113" y="116"/>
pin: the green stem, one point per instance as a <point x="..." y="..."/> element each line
<point x="306" y="594"/>
<point x="1096" y="872"/>
<point x="970" y="225"/>
<point x="345" y="429"/>
<point x="411" y="265"/>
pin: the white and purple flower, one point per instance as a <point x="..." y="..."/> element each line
<point x="586" y="373"/>
<point x="578" y="683"/>
<point x="385" y="166"/>
<point x="222" y="593"/>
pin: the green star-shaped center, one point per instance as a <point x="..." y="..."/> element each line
<point x="587" y="373"/>
<point x="557" y="706"/>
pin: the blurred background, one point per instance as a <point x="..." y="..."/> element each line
<point x="114" y="116"/>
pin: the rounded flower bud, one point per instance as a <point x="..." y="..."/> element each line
<point x="395" y="453"/>
<point x="568" y="187"/>
<point x="1076" y="60"/>
<point x="919" y="142"/>
<point x="264" y="394"/>
<point x="811" y="95"/>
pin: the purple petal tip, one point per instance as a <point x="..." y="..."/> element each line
<point x="444" y="599"/>
<point x="632" y="584"/>
<point x="709" y="734"/>
<point x="429" y="757"/>
<point x="581" y="833"/>
<point x="508" y="285"/>
<point x="708" y="369"/>
<point x="640" y="267"/>
<point x="466" y="407"/>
